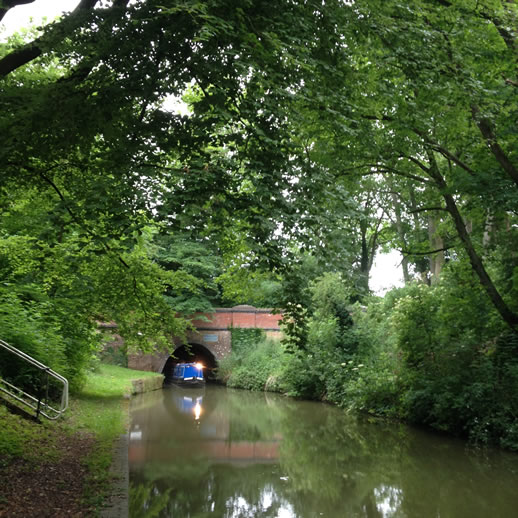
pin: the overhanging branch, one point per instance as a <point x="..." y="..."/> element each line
<point x="9" y="4"/>
<point x="428" y="209"/>
<point x="34" y="49"/>
<point x="428" y="252"/>
<point x="384" y="169"/>
<point x="487" y="132"/>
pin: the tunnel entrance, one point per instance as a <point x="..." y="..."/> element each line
<point x="191" y="353"/>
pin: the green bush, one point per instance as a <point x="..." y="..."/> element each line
<point x="244" y="342"/>
<point x="259" y="368"/>
<point x="245" y="339"/>
<point x="458" y="370"/>
<point x="299" y="378"/>
<point x="47" y="332"/>
<point x="114" y="356"/>
<point x="434" y="355"/>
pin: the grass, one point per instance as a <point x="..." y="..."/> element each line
<point x="98" y="410"/>
<point x="111" y="381"/>
<point x="22" y="438"/>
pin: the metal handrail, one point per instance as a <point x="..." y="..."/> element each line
<point x="39" y="404"/>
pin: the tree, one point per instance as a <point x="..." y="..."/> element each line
<point x="89" y="145"/>
<point x="298" y="115"/>
<point x="414" y="83"/>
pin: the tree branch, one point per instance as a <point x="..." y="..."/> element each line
<point x="405" y="175"/>
<point x="386" y="169"/>
<point x="425" y="209"/>
<point x="442" y="150"/>
<point x="428" y="252"/>
<point x="9" y="4"/>
<point x="74" y="217"/>
<point x="34" y="49"/>
<point x="507" y="314"/>
<point x="487" y="132"/>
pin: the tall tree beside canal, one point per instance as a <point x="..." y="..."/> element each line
<point x="415" y="101"/>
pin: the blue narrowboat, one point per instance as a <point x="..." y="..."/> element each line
<point x="190" y="374"/>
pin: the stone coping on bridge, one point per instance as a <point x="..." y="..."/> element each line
<point x="212" y="328"/>
<point x="247" y="316"/>
<point x="243" y="308"/>
<point x="243" y="316"/>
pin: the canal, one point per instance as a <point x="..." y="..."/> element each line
<point x="226" y="453"/>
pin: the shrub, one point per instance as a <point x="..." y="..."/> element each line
<point x="259" y="367"/>
<point x="46" y="332"/>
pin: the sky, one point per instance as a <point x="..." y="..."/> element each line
<point x="386" y="271"/>
<point x="20" y="16"/>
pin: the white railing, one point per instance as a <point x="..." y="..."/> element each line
<point x="40" y="403"/>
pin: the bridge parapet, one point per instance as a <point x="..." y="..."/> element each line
<point x="238" y="316"/>
<point x="213" y="330"/>
<point x="213" y="333"/>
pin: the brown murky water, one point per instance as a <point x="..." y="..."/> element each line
<point x="234" y="454"/>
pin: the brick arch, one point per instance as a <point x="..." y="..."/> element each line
<point x="164" y="358"/>
<point x="213" y="332"/>
<point x="217" y="341"/>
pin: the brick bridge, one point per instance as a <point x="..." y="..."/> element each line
<point x="211" y="341"/>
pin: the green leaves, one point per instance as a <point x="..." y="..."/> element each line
<point x="321" y="130"/>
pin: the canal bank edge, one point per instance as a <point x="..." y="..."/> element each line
<point x="117" y="504"/>
<point x="139" y="386"/>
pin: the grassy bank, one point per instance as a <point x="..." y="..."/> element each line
<point x="86" y="434"/>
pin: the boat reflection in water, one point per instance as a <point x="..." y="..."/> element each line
<point x="188" y="400"/>
<point x="199" y="426"/>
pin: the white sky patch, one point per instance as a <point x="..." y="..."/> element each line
<point x="386" y="272"/>
<point x="174" y="104"/>
<point x="388" y="500"/>
<point x="24" y="16"/>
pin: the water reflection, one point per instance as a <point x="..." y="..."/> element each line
<point x="235" y="454"/>
<point x="388" y="500"/>
<point x="188" y="400"/>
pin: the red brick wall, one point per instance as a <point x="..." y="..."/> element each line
<point x="239" y="316"/>
<point x="213" y="333"/>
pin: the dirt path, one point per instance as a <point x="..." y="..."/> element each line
<point x="54" y="489"/>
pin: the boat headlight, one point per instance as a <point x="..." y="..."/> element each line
<point x="199" y="366"/>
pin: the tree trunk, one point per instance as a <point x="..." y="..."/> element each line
<point x="489" y="229"/>
<point x="420" y="268"/>
<point x="401" y="234"/>
<point x="364" y="259"/>
<point x="34" y="49"/>
<point x="9" y="4"/>
<point x="501" y="157"/>
<point x="476" y="262"/>
<point x="436" y="243"/>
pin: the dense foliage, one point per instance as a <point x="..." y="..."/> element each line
<point x="314" y="135"/>
<point x="254" y="361"/>
<point x="399" y="359"/>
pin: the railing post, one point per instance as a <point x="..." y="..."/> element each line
<point x="46" y="399"/>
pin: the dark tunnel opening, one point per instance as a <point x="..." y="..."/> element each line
<point x="191" y="353"/>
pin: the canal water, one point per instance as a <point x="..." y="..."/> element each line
<point x="223" y="453"/>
